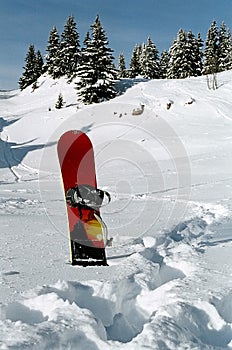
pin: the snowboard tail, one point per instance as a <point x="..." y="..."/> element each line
<point x="86" y="229"/>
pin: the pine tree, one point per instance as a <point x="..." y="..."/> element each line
<point x="135" y="63"/>
<point x="69" y="48"/>
<point x="122" y="73"/>
<point x="87" y="39"/>
<point x="30" y="74"/>
<point x="224" y="49"/>
<point x="194" y="54"/>
<point x="185" y="56"/>
<point x="200" y="44"/>
<point x="39" y="63"/>
<point x="84" y="57"/>
<point x="39" y="68"/>
<point x="150" y="61"/>
<point x="164" y="62"/>
<point x="83" y="71"/>
<point x="60" y="102"/>
<point x="178" y="64"/>
<point x="210" y="62"/>
<point x="96" y="71"/>
<point x="53" y="59"/>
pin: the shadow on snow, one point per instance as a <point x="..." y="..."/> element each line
<point x="4" y="122"/>
<point x="12" y="153"/>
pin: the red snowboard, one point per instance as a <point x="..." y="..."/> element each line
<point x="86" y="231"/>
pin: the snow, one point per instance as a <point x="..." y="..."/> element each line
<point x="169" y="280"/>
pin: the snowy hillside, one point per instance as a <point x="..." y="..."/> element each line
<point x="169" y="280"/>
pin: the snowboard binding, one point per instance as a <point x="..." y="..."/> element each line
<point x="87" y="197"/>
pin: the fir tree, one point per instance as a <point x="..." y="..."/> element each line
<point x="69" y="48"/>
<point x="135" y="63"/>
<point x="60" y="102"/>
<point x="39" y="63"/>
<point x="178" y="64"/>
<point x="150" y="61"/>
<point x="210" y="62"/>
<point x="200" y="44"/>
<point x="164" y="63"/>
<point x="31" y="73"/>
<point x="224" y="48"/>
<point x="87" y="39"/>
<point x="84" y="57"/>
<point x="53" y="59"/>
<point x="194" y="54"/>
<point x="122" y="73"/>
<point x="185" y="56"/>
<point x="96" y="71"/>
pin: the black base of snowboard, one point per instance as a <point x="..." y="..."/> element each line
<point x="85" y="263"/>
<point x="87" y="256"/>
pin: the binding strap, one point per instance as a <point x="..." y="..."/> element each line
<point x="86" y="196"/>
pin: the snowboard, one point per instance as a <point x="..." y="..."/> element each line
<point x="83" y="200"/>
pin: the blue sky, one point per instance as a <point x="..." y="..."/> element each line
<point x="126" y="22"/>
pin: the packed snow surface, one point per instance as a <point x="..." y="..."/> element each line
<point x="168" y="169"/>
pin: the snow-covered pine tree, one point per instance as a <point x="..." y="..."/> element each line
<point x="178" y="63"/>
<point x="39" y="63"/>
<point x="85" y="72"/>
<point x="53" y="59"/>
<point x="210" y="61"/>
<point x="164" y="62"/>
<point x="70" y="48"/>
<point x="96" y="71"/>
<point x="185" y="56"/>
<point x="31" y="73"/>
<point x="122" y="72"/>
<point x="150" y="61"/>
<point x="224" y="48"/>
<point x="135" y="63"/>
<point x="83" y="57"/>
<point x="39" y="67"/>
<point x="200" y="44"/>
<point x="87" y="40"/>
<point x="194" y="54"/>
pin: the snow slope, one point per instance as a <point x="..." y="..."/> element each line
<point x="169" y="280"/>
